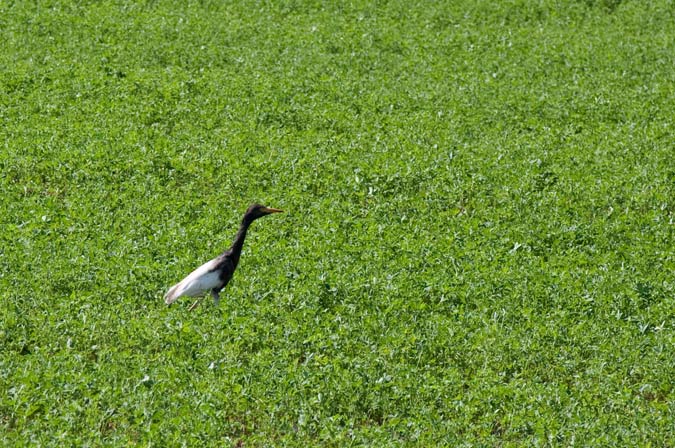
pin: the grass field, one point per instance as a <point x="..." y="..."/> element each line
<point x="477" y="249"/>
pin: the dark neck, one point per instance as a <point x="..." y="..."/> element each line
<point x="238" y="243"/>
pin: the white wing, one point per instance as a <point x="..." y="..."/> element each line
<point x="200" y="281"/>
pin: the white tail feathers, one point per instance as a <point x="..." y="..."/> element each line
<point x="199" y="282"/>
<point x="171" y="295"/>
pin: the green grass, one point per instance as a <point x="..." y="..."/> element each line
<point x="477" y="249"/>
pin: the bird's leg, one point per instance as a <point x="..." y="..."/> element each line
<point x="196" y="304"/>
<point x="216" y="297"/>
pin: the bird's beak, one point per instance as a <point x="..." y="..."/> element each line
<point x="272" y="210"/>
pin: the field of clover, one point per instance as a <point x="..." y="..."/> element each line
<point x="477" y="247"/>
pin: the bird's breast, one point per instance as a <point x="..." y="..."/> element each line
<point x="226" y="269"/>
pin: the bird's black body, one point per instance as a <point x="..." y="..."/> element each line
<point x="214" y="275"/>
<point x="225" y="269"/>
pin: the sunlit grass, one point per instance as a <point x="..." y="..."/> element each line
<point x="477" y="247"/>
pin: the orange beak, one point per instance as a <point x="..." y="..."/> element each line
<point x="272" y="210"/>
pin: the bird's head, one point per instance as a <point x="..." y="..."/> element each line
<point x="256" y="211"/>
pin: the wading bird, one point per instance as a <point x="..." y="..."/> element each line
<point x="214" y="275"/>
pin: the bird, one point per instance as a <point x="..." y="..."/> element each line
<point x="214" y="275"/>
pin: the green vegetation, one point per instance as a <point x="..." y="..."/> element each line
<point x="477" y="249"/>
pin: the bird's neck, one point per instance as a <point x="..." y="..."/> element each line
<point x="238" y="242"/>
